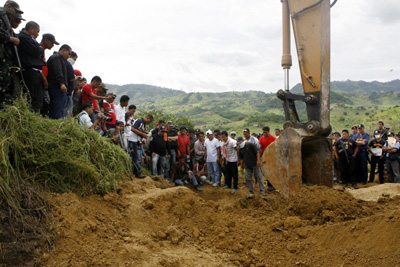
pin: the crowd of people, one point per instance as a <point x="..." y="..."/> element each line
<point x="179" y="154"/>
<point x="354" y="150"/>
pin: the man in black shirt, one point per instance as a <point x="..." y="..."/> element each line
<point x="159" y="149"/>
<point x="31" y="60"/>
<point x="345" y="151"/>
<point x="173" y="143"/>
<point x="382" y="131"/>
<point x="181" y="173"/>
<point x="249" y="159"/>
<point x="377" y="156"/>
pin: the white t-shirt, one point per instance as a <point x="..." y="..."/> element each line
<point x="212" y="149"/>
<point x="120" y="112"/>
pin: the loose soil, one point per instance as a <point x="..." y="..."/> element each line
<point x="148" y="223"/>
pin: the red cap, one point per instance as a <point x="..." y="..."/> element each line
<point x="77" y="73"/>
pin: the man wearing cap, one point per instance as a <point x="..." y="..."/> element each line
<point x="354" y="131"/>
<point x="362" y="140"/>
<point x="233" y="135"/>
<point x="10" y="18"/>
<point x="375" y="148"/>
<point x="212" y="156"/>
<point x="346" y="150"/>
<point x="392" y="159"/>
<point x="160" y="150"/>
<point x="48" y="41"/>
<point x="31" y="60"/>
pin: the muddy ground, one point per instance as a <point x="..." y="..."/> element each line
<point x="147" y="223"/>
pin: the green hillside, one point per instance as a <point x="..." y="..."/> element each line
<point x="255" y="109"/>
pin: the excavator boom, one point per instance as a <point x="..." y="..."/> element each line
<point x="303" y="153"/>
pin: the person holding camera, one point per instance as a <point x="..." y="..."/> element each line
<point x="84" y="118"/>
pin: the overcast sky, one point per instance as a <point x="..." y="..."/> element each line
<point x="213" y="45"/>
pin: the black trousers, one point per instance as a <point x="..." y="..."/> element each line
<point x="381" y="163"/>
<point x="347" y="169"/>
<point x="231" y="172"/>
<point x="32" y="81"/>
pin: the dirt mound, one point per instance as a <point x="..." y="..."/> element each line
<point x="377" y="193"/>
<point x="149" y="224"/>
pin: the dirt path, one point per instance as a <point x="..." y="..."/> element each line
<point x="146" y="225"/>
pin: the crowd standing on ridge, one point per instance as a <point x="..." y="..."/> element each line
<point x="179" y="154"/>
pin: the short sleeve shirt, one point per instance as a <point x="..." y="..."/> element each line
<point x="265" y="142"/>
<point x="231" y="150"/>
<point x="183" y="142"/>
<point x="86" y="90"/>
<point x="349" y="145"/>
<point x="212" y="149"/>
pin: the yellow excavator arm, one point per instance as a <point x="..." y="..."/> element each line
<point x="303" y="153"/>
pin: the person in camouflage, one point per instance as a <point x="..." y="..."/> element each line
<point x="10" y="18"/>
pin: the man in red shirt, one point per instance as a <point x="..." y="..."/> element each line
<point x="183" y="142"/>
<point x="89" y="93"/>
<point x="265" y="140"/>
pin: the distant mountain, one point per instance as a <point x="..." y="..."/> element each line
<point x="351" y="103"/>
<point x="359" y="87"/>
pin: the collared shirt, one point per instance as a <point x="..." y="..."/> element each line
<point x="392" y="156"/>
<point x="231" y="152"/>
<point x="120" y="112"/>
<point x="212" y="149"/>
<point x="362" y="137"/>
<point x="84" y="119"/>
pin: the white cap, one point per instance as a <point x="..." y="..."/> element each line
<point x="233" y="132"/>
<point x="209" y="132"/>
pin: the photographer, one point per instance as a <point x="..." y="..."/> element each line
<point x="117" y="136"/>
<point x="85" y="121"/>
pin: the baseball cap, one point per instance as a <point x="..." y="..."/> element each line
<point x="354" y="127"/>
<point x="50" y="37"/>
<point x="14" y="5"/>
<point x="119" y="122"/>
<point x="246" y="130"/>
<point x="103" y="85"/>
<point x="162" y="128"/>
<point x="233" y="133"/>
<point x="387" y="127"/>
<point x="361" y="126"/>
<point x="170" y="123"/>
<point x="239" y="139"/>
<point x="77" y="73"/>
<point x="390" y="133"/>
<point x="209" y="132"/>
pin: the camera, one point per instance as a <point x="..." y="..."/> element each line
<point x="104" y="118"/>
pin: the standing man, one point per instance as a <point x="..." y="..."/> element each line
<point x="120" y="109"/>
<point x="135" y="143"/>
<point x="192" y="139"/>
<point x="212" y="155"/>
<point x="265" y="140"/>
<point x="345" y="151"/>
<point x="250" y="160"/>
<point x="10" y="18"/>
<point x="173" y="143"/>
<point x="382" y="130"/>
<point x="183" y="143"/>
<point x="231" y="157"/>
<point x="353" y="132"/>
<point x="362" y="140"/>
<point x="159" y="149"/>
<point x="233" y="135"/>
<point x="48" y="41"/>
<point x="31" y="60"/>
<point x="199" y="149"/>
<point x="58" y="81"/>
<point x="375" y="148"/>
<point x="392" y="159"/>
<point x="277" y="132"/>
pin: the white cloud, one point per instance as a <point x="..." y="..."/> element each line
<point x="213" y="45"/>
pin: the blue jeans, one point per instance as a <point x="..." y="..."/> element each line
<point x="57" y="103"/>
<point x="181" y="182"/>
<point x="68" y="106"/>
<point x="170" y="165"/>
<point x="136" y="156"/>
<point x="213" y="172"/>
<point x="249" y="179"/>
<point x="158" y="165"/>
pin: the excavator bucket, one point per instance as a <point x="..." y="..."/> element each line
<point x="298" y="158"/>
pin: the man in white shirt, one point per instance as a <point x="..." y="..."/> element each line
<point x="84" y="119"/>
<point x="230" y="151"/>
<point x="120" y="109"/>
<point x="212" y="155"/>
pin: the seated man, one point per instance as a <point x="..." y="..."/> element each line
<point x="84" y="119"/>
<point x="181" y="173"/>
<point x="200" y="171"/>
<point x="117" y="136"/>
